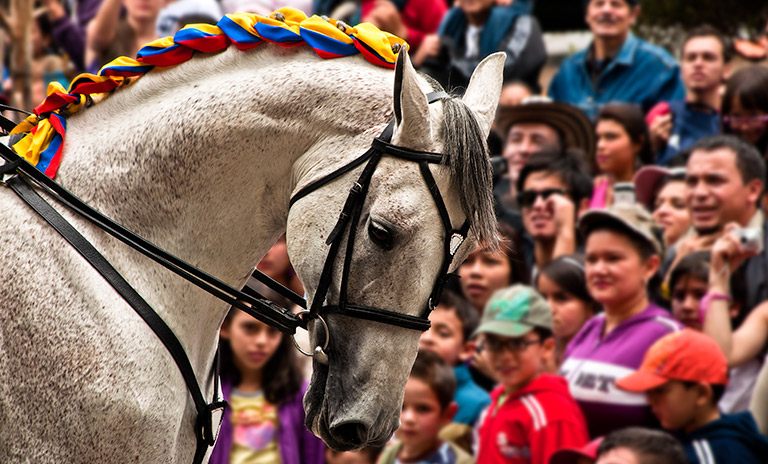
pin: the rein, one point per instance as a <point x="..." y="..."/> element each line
<point x="17" y="174"/>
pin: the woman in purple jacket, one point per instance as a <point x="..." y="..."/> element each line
<point x="622" y="255"/>
<point x="262" y="382"/>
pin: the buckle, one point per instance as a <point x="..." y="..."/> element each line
<point x="214" y="413"/>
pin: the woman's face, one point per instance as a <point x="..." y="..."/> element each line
<point x="671" y="212"/>
<point x="686" y="295"/>
<point x="275" y="263"/>
<point x="482" y="273"/>
<point x="568" y="312"/>
<point x="253" y="342"/>
<point x="615" y="150"/>
<point x="747" y="123"/>
<point x="615" y="271"/>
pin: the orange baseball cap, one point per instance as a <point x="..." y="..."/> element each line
<point x="685" y="355"/>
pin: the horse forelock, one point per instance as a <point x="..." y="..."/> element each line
<point x="470" y="167"/>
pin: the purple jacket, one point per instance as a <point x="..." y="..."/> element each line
<point x="296" y="444"/>
<point x="70" y="36"/>
<point x="593" y="363"/>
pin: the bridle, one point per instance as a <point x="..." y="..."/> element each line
<point x="17" y="174"/>
<point x="350" y="217"/>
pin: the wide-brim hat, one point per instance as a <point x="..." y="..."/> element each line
<point x="569" y="121"/>
<point x="632" y="217"/>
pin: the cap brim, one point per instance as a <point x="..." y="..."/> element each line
<point x="601" y="216"/>
<point x="640" y="381"/>
<point x="503" y="328"/>
<point x="570" y="121"/>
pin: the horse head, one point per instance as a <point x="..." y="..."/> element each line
<point x="399" y="241"/>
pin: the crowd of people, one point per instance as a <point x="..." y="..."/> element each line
<point x="624" y="319"/>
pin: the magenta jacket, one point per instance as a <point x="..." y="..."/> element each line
<point x="296" y="444"/>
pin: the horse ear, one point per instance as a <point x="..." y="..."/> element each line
<point x="411" y="106"/>
<point x="484" y="89"/>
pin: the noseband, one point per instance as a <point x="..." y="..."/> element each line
<point x="350" y="214"/>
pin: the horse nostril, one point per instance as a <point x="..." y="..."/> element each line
<point x="354" y="434"/>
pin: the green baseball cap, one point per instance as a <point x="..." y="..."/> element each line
<point x="514" y="311"/>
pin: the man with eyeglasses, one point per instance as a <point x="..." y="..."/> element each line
<point x="532" y="414"/>
<point x="553" y="188"/>
<point x="535" y="124"/>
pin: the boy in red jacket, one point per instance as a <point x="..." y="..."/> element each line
<point x="532" y="415"/>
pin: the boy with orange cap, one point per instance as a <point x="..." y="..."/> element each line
<point x="684" y="374"/>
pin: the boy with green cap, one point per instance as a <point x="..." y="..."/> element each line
<point x="532" y="414"/>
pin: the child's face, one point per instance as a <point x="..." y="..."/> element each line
<point x="482" y="273"/>
<point x="568" y="312"/>
<point x="445" y="337"/>
<point x="421" y="417"/>
<point x="675" y="405"/>
<point x="686" y="295"/>
<point x="253" y="343"/>
<point x="517" y="360"/>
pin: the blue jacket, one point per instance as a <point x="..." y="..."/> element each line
<point x="732" y="438"/>
<point x="641" y="73"/>
<point x="470" y="398"/>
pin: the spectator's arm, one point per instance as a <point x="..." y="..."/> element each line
<point x="564" y="212"/>
<point x="526" y="52"/>
<point x="101" y="30"/>
<point x="728" y="255"/>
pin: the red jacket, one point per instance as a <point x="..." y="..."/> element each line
<point x="531" y="424"/>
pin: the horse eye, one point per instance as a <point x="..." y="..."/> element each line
<point x="380" y="235"/>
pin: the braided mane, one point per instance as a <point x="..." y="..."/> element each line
<point x="43" y="132"/>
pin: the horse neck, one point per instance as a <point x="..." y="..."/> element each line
<point x="197" y="158"/>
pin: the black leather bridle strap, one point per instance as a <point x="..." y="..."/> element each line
<point x="204" y="425"/>
<point x="260" y="307"/>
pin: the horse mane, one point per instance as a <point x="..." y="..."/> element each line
<point x="470" y="166"/>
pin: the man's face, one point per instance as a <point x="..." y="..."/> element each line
<point x="523" y="140"/>
<point x="702" y="66"/>
<point x="610" y="18"/>
<point x="539" y="217"/>
<point x="474" y="7"/>
<point x="716" y="193"/>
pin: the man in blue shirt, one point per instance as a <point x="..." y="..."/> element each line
<point x="617" y="66"/>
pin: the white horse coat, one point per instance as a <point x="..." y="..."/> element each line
<point x="202" y="159"/>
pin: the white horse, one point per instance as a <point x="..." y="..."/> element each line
<point x="202" y="159"/>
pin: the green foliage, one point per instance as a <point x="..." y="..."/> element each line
<point x="728" y="16"/>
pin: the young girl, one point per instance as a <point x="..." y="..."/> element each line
<point x="563" y="284"/>
<point x="264" y="421"/>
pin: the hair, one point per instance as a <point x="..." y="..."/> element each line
<point x="750" y="86"/>
<point x="567" y="164"/>
<point x="543" y="333"/>
<point x="567" y="271"/>
<point x="707" y="30"/>
<point x="431" y="369"/>
<point x="748" y="160"/>
<point x="284" y="376"/>
<point x="650" y="446"/>
<point x="717" y="390"/>
<point x="512" y="246"/>
<point x="632" y="119"/>
<point x="469" y="160"/>
<point x="696" y="265"/>
<point x="465" y="312"/>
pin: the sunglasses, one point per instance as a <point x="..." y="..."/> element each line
<point x="527" y="198"/>
<point x="746" y="121"/>
<point x="515" y="345"/>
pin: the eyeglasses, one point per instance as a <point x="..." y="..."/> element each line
<point x="746" y="121"/>
<point x="515" y="345"/>
<point x="527" y="198"/>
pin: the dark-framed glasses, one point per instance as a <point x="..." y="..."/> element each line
<point x="515" y="345"/>
<point x="527" y="198"/>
